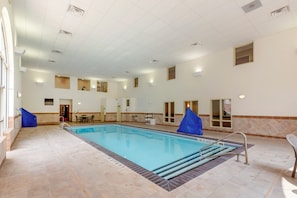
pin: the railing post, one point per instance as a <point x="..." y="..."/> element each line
<point x="227" y="136"/>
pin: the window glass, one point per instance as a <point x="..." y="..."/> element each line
<point x="102" y="86"/>
<point x="169" y="112"/>
<point x="62" y="82"/>
<point x="135" y="82"/>
<point x="83" y="84"/>
<point x="221" y="113"/>
<point x="192" y="104"/>
<point x="244" y="54"/>
<point x="171" y="73"/>
<point x="3" y="82"/>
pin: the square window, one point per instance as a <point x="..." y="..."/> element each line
<point x="135" y="82"/>
<point x="244" y="54"/>
<point x="171" y="73"/>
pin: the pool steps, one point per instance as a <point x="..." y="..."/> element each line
<point x="192" y="161"/>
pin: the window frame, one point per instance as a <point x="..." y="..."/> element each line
<point x="62" y="82"/>
<point x="244" y="54"/>
<point x="221" y="117"/>
<point x="83" y="84"/>
<point x="192" y="105"/>
<point x="136" y="82"/>
<point x="3" y="81"/>
<point x="169" y="112"/>
<point x="171" y="73"/>
<point x="102" y="86"/>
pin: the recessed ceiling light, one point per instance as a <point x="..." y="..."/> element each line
<point x="76" y="10"/>
<point x="65" y="32"/>
<point x="280" y="11"/>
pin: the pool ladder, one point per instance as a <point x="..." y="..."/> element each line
<point x="224" y="138"/>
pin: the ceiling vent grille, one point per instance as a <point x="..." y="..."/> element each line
<point x="65" y="32"/>
<point x="56" y="51"/>
<point x="280" y="11"/>
<point x="76" y="10"/>
<point x="252" y="6"/>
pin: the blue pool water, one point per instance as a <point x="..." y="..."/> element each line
<point x="147" y="148"/>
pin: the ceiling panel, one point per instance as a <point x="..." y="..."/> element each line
<point x="116" y="36"/>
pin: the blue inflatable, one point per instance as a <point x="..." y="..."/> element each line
<point x="28" y="119"/>
<point x="191" y="123"/>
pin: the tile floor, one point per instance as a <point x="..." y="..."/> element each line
<point x="47" y="161"/>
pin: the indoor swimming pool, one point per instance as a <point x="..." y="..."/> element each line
<point x="161" y="154"/>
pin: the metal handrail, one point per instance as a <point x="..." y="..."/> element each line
<point x="227" y="136"/>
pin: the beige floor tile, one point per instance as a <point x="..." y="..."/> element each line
<point x="49" y="162"/>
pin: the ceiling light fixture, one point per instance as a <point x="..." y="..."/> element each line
<point x="76" y="10"/>
<point x="280" y="11"/>
<point x="51" y="61"/>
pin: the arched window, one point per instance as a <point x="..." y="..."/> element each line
<point x="6" y="70"/>
<point x="3" y="81"/>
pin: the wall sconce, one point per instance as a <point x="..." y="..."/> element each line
<point x="151" y="83"/>
<point x="241" y="96"/>
<point x="39" y="83"/>
<point x="125" y="88"/>
<point x="19" y="51"/>
<point x="19" y="94"/>
<point x="197" y="73"/>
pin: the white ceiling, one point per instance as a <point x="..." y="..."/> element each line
<point x="118" y="39"/>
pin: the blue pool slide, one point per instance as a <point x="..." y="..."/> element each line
<point x="191" y="123"/>
<point x="28" y="119"/>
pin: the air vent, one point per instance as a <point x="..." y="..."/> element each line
<point x="51" y="61"/>
<point x="252" y="6"/>
<point x="56" y="51"/>
<point x="280" y="11"/>
<point x="76" y="10"/>
<point x="197" y="44"/>
<point x="65" y="32"/>
<point x="154" y="61"/>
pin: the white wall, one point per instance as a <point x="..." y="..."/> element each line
<point x="34" y="94"/>
<point x="269" y="83"/>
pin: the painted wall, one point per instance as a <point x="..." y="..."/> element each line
<point x="269" y="82"/>
<point x="83" y="101"/>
